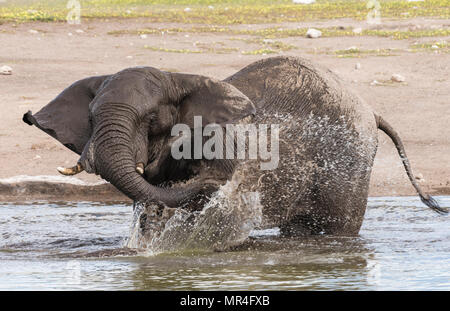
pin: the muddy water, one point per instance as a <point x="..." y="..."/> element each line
<point x="402" y="246"/>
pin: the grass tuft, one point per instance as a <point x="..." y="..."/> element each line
<point x="356" y="52"/>
<point x="438" y="46"/>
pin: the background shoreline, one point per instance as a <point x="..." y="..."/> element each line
<point x="411" y="40"/>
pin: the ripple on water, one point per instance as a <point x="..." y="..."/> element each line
<point x="402" y="245"/>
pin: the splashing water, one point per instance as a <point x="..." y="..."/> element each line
<point x="318" y="150"/>
<point x="226" y="220"/>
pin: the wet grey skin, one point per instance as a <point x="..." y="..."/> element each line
<point x="120" y="125"/>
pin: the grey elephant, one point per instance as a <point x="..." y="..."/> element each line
<point x="121" y="126"/>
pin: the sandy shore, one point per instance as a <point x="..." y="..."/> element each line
<point x="46" y="62"/>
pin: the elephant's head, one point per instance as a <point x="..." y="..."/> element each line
<point x="121" y="126"/>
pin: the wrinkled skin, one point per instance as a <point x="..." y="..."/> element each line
<point x="328" y="139"/>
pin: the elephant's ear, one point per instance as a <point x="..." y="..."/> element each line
<point x="215" y="101"/>
<point x="66" y="118"/>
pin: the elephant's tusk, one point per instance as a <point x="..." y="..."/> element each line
<point x="71" y="171"/>
<point x="140" y="168"/>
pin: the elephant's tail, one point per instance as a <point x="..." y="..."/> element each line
<point x="426" y="199"/>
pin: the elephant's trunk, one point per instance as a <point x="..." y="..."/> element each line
<point x="114" y="157"/>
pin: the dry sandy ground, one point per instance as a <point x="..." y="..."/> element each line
<point x="47" y="62"/>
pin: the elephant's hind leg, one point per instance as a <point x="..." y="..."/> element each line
<point x="327" y="212"/>
<point x="333" y="199"/>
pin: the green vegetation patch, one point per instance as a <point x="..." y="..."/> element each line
<point x="276" y="46"/>
<point x="160" y="49"/>
<point x="268" y="33"/>
<point x="201" y="48"/>
<point x="438" y="46"/>
<point x="276" y="32"/>
<point x="406" y="34"/>
<point x="223" y="12"/>
<point x="356" y="52"/>
<point x="262" y="51"/>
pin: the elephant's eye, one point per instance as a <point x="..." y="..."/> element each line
<point x="163" y="120"/>
<point x="152" y="120"/>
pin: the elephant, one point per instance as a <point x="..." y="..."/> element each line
<point x="121" y="126"/>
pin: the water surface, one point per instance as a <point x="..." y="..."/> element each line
<point x="402" y="246"/>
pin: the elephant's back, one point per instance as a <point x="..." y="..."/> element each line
<point x="295" y="85"/>
<point x="300" y="89"/>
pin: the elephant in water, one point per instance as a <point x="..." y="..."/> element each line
<point x="324" y="139"/>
